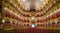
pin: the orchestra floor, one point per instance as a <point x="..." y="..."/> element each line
<point x="31" y="30"/>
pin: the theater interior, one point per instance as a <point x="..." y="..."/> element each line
<point x="30" y="16"/>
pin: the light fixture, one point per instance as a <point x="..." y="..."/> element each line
<point x="32" y="18"/>
<point x="3" y="21"/>
<point x="19" y="0"/>
<point x="32" y="25"/>
<point x="23" y="0"/>
<point x="10" y="21"/>
<point x="15" y="23"/>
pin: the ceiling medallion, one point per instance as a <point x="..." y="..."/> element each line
<point x="31" y="5"/>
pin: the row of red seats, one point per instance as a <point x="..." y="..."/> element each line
<point x="35" y="30"/>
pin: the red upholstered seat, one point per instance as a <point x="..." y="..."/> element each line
<point x="35" y="30"/>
